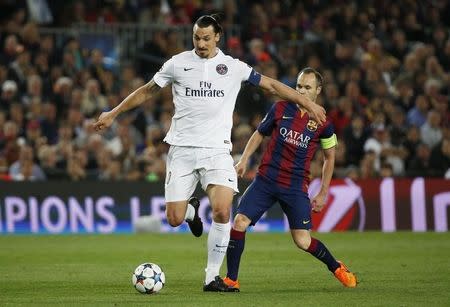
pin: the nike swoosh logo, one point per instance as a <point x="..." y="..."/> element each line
<point x="287" y="117"/>
<point x="186" y="69"/>
<point x="221" y="245"/>
<point x="306" y="222"/>
<point x="230" y="180"/>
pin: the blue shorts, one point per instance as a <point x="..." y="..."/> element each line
<point x="261" y="195"/>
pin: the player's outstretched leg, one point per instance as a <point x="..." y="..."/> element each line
<point x="340" y="271"/>
<point x="234" y="252"/>
<point x="195" y="224"/>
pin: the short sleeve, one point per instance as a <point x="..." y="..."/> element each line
<point x="268" y="122"/>
<point x="165" y="75"/>
<point x="243" y="70"/>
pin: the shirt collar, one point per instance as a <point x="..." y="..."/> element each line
<point x="218" y="55"/>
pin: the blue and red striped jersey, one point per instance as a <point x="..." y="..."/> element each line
<point x="294" y="138"/>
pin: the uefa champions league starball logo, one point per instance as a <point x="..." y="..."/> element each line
<point x="221" y="69"/>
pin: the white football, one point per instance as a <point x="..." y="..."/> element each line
<point x="148" y="278"/>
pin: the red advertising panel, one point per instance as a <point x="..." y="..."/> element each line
<point x="388" y="204"/>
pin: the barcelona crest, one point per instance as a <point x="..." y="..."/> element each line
<point x="311" y="125"/>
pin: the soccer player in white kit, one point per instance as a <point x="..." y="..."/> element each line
<point x="205" y="83"/>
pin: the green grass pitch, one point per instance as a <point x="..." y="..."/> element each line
<point x="396" y="269"/>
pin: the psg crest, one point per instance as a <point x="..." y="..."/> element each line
<point x="221" y="69"/>
<point x="311" y="125"/>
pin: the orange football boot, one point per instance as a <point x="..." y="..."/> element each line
<point x="232" y="284"/>
<point x="346" y="277"/>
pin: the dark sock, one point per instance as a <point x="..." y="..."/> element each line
<point x="320" y="251"/>
<point x="234" y="252"/>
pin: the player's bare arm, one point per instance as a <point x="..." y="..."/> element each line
<point x="318" y="202"/>
<point x="133" y="100"/>
<point x="252" y="144"/>
<point x="285" y="92"/>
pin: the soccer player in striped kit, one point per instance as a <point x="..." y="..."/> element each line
<point x="283" y="176"/>
<point x="205" y="83"/>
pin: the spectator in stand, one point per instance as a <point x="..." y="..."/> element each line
<point x="174" y="45"/>
<point x="257" y="53"/>
<point x="68" y="65"/>
<point x="48" y="160"/>
<point x="97" y="67"/>
<point x="290" y="79"/>
<point x="399" y="45"/>
<point x="355" y="136"/>
<point x="75" y="170"/>
<point x="179" y="16"/>
<point x="16" y="114"/>
<point x="72" y="46"/>
<point x="342" y="115"/>
<point x="93" y="100"/>
<point x="62" y="92"/>
<point x="8" y="95"/>
<point x="9" y="144"/>
<point x="234" y="45"/>
<point x="397" y="125"/>
<point x="34" y="89"/>
<point x="386" y="170"/>
<point x="113" y="171"/>
<point x="368" y="165"/>
<point x="403" y="93"/>
<point x="152" y="54"/>
<point x="11" y="47"/>
<point x="417" y="116"/>
<point x="49" y="123"/>
<point x="30" y="37"/>
<point x="20" y="68"/>
<point x="25" y="168"/>
<point x="430" y="131"/>
<point x="33" y="134"/>
<point x="331" y="95"/>
<point x="420" y="164"/>
<point x="380" y="144"/>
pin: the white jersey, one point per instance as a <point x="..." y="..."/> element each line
<point x="204" y="93"/>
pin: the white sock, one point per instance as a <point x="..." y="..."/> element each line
<point x="218" y="238"/>
<point x="190" y="212"/>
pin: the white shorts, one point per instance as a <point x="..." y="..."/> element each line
<point x="186" y="166"/>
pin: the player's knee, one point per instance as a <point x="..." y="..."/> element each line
<point x="174" y="219"/>
<point x="241" y="223"/>
<point x="221" y="214"/>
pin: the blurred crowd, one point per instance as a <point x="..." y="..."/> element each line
<point x="386" y="68"/>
